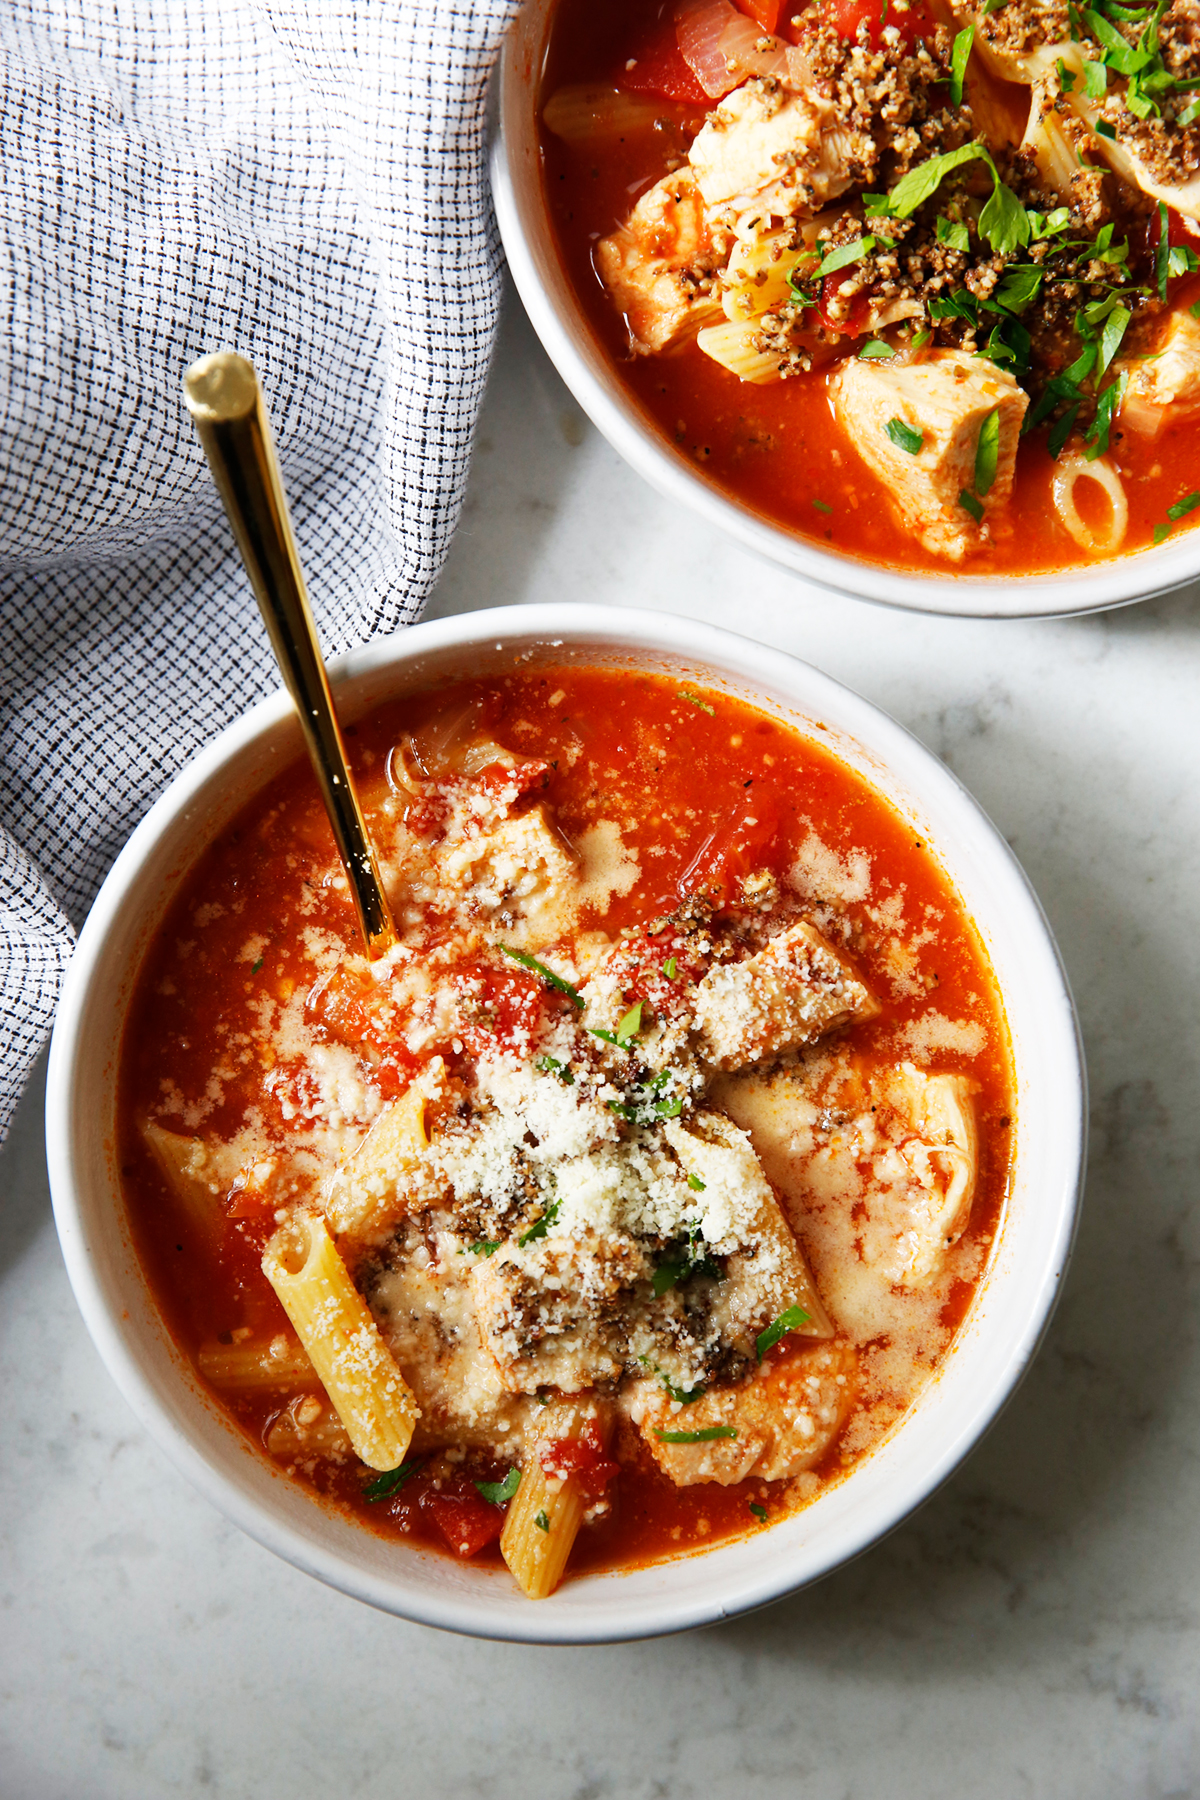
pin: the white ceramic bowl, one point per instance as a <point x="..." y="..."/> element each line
<point x="989" y="1354"/>
<point x="563" y="327"/>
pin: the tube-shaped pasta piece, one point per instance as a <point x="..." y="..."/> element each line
<point x="547" y="1510"/>
<point x="757" y="274"/>
<point x="1070" y="471"/>
<point x="333" y="1322"/>
<point x="280" y="1362"/>
<point x="589" y="112"/>
<point x="197" y="1173"/>
<point x="307" y="1428"/>
<point x="732" y="345"/>
<point x="1048" y="140"/>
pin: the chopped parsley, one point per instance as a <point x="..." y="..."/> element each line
<point x="386" y="1485"/>
<point x="904" y="437"/>
<point x="541" y="1227"/>
<point x="987" y="452"/>
<point x="1104" y="129"/>
<point x="968" y="501"/>
<point x="1066" y="77"/>
<point x="645" y="1103"/>
<point x="550" y="1065"/>
<point x="696" y="1437"/>
<point x="959" y="57"/>
<point x="843" y="256"/>
<point x="695" y="700"/>
<point x="255" y="967"/>
<point x="671" y="968"/>
<point x="688" y="1256"/>
<point x="694" y="1181"/>
<point x="1183" y="507"/>
<point x="547" y="975"/>
<point x="541" y="1521"/>
<point x="627" y="1028"/>
<point x="498" y="1493"/>
<point x="791" y="1320"/>
<point x="1161" y="533"/>
<point x="760" y="1512"/>
<point x="952" y="232"/>
<point x="1003" y="220"/>
<point x="485" y="1247"/>
<point x="822" y="506"/>
<point x="875" y="350"/>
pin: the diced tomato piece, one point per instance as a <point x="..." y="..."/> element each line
<point x="358" y="1012"/>
<point x="763" y="12"/>
<point x="465" y="1519"/>
<point x="582" y="1459"/>
<point x="498" y="778"/>
<point x="855" y="321"/>
<point x="508" y="1005"/>
<point x="640" y="966"/>
<point x="735" y="848"/>
<point x="847" y="15"/>
<point x="658" y="67"/>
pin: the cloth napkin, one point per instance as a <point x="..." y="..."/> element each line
<point x="303" y="182"/>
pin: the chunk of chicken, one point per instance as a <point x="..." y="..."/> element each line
<point x="877" y="1162"/>
<point x="942" y="400"/>
<point x="1168" y="382"/>
<point x="765" y="1274"/>
<point x="789" y="993"/>
<point x="551" y="1312"/>
<point x="766" y="144"/>
<point x="783" y="1418"/>
<point x="427" y="1317"/>
<point x="655" y="266"/>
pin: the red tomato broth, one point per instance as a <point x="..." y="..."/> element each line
<point x="777" y="449"/>
<point x="671" y="763"/>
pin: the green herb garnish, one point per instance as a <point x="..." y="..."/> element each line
<point x="696" y="1437"/>
<point x="760" y="1512"/>
<point x="822" y="506"/>
<point x="958" y="64"/>
<point x="255" y="967"/>
<point x="671" y="968"/>
<point x="1003" y="221"/>
<point x="541" y="1227"/>
<point x="484" y="1247"/>
<point x="843" y="256"/>
<point x="1183" y="507"/>
<point x="550" y="1065"/>
<point x="968" y="501"/>
<point x="542" y="1522"/>
<point x="390" y="1483"/>
<point x="791" y="1320"/>
<point x="1161" y="533"/>
<point x="498" y="1493"/>
<point x="547" y="975"/>
<point x="987" y="452"/>
<point x="627" y="1028"/>
<point x="904" y="437"/>
<point x="694" y="1181"/>
<point x="695" y="700"/>
<point x="953" y="233"/>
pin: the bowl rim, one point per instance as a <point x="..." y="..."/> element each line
<point x="646" y="1608"/>
<point x="568" y="339"/>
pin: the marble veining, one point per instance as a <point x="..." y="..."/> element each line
<point x="1034" y="1630"/>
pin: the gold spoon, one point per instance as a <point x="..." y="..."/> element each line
<point x="226" y="404"/>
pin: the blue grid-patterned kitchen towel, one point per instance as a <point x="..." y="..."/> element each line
<point x="303" y="182"/>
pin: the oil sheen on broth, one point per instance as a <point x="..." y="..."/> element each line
<point x="656" y="1167"/>
<point x="915" y="281"/>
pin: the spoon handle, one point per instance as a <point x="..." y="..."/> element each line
<point x="226" y="404"/>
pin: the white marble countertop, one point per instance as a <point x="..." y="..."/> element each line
<point x="1034" y="1630"/>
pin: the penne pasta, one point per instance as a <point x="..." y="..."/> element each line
<point x="332" y="1321"/>
<point x="547" y="1510"/>
<point x="733" y="346"/>
<point x="594" y="111"/>
<point x="307" y="1427"/>
<point x="279" y="1363"/>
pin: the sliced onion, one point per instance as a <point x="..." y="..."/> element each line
<point x="699" y="28"/>
<point x="799" y="69"/>
<point x="739" y="46"/>
<point x="1073" y="469"/>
